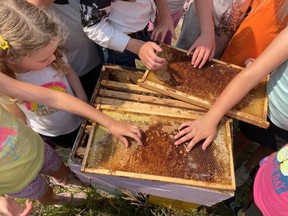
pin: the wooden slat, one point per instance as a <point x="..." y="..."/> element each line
<point x="89" y="143"/>
<point x="126" y="106"/>
<point x="126" y="87"/>
<point x="148" y="99"/>
<point x="259" y="121"/>
<point x="162" y="178"/>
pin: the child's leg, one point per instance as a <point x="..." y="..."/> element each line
<point x="49" y="198"/>
<point x="54" y="167"/>
<point x="38" y="189"/>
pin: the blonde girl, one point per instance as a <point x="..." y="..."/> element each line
<point x="34" y="56"/>
<point x="24" y="157"/>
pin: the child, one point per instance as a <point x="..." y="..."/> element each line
<point x="82" y="53"/>
<point x="38" y="60"/>
<point x="270" y="185"/>
<point x="275" y="55"/>
<point x="218" y="21"/>
<point x="122" y="28"/>
<point x="18" y="134"/>
<point x="263" y="23"/>
<point x="24" y="158"/>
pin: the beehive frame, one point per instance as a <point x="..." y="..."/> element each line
<point x="259" y="105"/>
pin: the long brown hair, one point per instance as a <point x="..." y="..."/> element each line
<point x="27" y="28"/>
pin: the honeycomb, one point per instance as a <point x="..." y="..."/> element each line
<point x="158" y="156"/>
<point x="206" y="83"/>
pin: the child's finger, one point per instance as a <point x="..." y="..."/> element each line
<point x="184" y="125"/>
<point x="204" y="59"/>
<point x="207" y="143"/>
<point x="124" y="141"/>
<point x="199" y="58"/>
<point x="135" y="137"/>
<point x="137" y="131"/>
<point x="192" y="143"/>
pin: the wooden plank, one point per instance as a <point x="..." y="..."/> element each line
<point x="126" y="106"/>
<point x="126" y="87"/>
<point x="148" y="99"/>
<point x="229" y="146"/>
<point x="161" y="178"/>
<point x="89" y="143"/>
<point x="246" y="117"/>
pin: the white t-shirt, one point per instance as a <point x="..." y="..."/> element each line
<point x="82" y="53"/>
<point x="277" y="93"/>
<point x="46" y="120"/>
<point x="107" y="23"/>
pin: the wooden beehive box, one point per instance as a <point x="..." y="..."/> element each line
<point x="158" y="117"/>
<point x="202" y="86"/>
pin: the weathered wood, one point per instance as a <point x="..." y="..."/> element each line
<point x="139" y="98"/>
<point x="254" y="113"/>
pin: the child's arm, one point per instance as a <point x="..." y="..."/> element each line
<point x="75" y="83"/>
<point x="15" y="110"/>
<point x="205" y="44"/>
<point x="205" y="128"/>
<point x="165" y="22"/>
<point x="9" y="207"/>
<point x="41" y="3"/>
<point x="63" y="101"/>
<point x="147" y="52"/>
<point x="99" y="30"/>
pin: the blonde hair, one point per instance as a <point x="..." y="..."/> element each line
<point x="27" y="28"/>
<point x="283" y="12"/>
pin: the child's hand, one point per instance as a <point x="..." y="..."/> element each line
<point x="196" y="131"/>
<point x="123" y="130"/>
<point x="161" y="27"/>
<point x="9" y="207"/>
<point x="204" y="50"/>
<point x="147" y="54"/>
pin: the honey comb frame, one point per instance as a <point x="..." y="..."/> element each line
<point x="123" y="109"/>
<point x="254" y="113"/>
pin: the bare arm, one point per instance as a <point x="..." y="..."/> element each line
<point x="165" y="23"/>
<point x="63" y="101"/>
<point x="205" y="44"/>
<point x="274" y="55"/>
<point x="42" y="3"/>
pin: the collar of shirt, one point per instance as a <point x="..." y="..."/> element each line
<point x="61" y="2"/>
